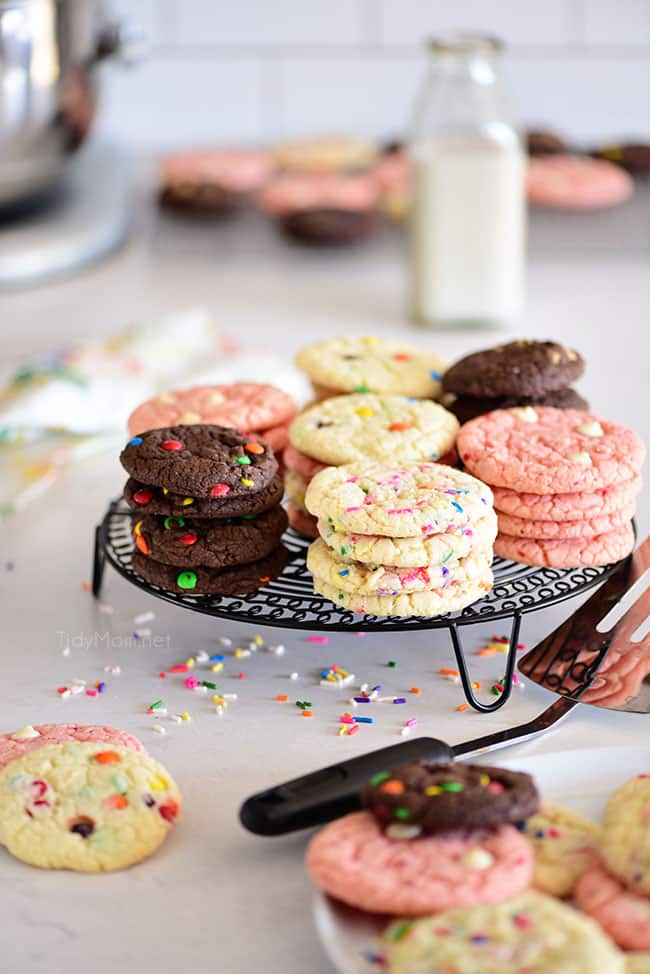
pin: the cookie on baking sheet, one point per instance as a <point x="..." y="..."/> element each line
<point x="586" y="527"/>
<point x="428" y="549"/>
<point x="521" y="368"/>
<point x="366" y="364"/>
<point x="424" y="604"/>
<point x="602" y="549"/>
<point x="233" y="580"/>
<point x="547" y="450"/>
<point x="567" y="507"/>
<point x="325" y="155"/>
<point x="565" y="846"/>
<point x="359" y="579"/>
<point x="16" y="743"/>
<point x="399" y="500"/>
<point x="465" y="408"/>
<point x="623" y="914"/>
<point x="528" y="934"/>
<point x="566" y="182"/>
<point x="301" y="521"/>
<point x="215" y="181"/>
<point x="158" y="500"/>
<point x="209" y="543"/>
<point x="374" y="427"/>
<point x="398" y="871"/>
<point x="625" y="845"/>
<point x="85" y="806"/>
<point x="443" y="797"/>
<point x="246" y="406"/>
<point x="201" y="461"/>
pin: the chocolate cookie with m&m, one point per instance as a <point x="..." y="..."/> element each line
<point x="233" y="580"/>
<point x="202" y="461"/>
<point x="445" y="797"/>
<point x="159" y="500"/>
<point x="215" y="543"/>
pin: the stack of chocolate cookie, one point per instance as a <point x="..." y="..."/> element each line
<point x="345" y="429"/>
<point x="565" y="483"/>
<point x="521" y="373"/>
<point x="401" y="539"/>
<point x="208" y="509"/>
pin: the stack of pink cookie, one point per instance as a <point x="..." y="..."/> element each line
<point x="616" y="891"/>
<point x="565" y="483"/>
<point x="250" y="407"/>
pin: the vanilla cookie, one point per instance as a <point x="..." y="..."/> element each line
<point x="85" y="806"/>
<point x="398" y="500"/>
<point x="565" y="846"/>
<point x="366" y="364"/>
<point x="625" y="845"/>
<point x="432" y="549"/>
<point x="365" y="426"/>
<point x="425" y="604"/>
<point x="361" y="579"/>
<point x="528" y="934"/>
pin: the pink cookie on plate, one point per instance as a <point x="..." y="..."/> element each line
<point x="235" y="170"/>
<point x="544" y="450"/>
<point x="602" y="549"/>
<point x="586" y="527"/>
<point x="295" y="193"/>
<point x="622" y="914"/>
<point x="248" y="406"/>
<point x="567" y="507"/>
<point x="576" y="182"/>
<point x="355" y="860"/>
<point x="17" y="743"/>
<point x="302" y="521"/>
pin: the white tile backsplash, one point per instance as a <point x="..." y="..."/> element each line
<point x="269" y="23"/>
<point x="514" y="21"/>
<point x="254" y="69"/>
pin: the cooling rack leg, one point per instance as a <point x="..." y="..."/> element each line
<point x="99" y="562"/>
<point x="465" y="678"/>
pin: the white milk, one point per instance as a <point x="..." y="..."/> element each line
<point x="468" y="229"/>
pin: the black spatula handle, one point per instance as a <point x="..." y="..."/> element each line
<point x="331" y="792"/>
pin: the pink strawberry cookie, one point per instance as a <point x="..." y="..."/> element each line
<point x="302" y="521"/>
<point x="305" y="191"/>
<point x="587" y="527"/>
<point x="302" y="464"/>
<point x="576" y="182"/>
<point x="602" y="549"/>
<point x="358" y="862"/>
<point x="622" y="914"/>
<point x="546" y="450"/>
<point x="246" y="406"/>
<point x="17" y="743"/>
<point x="567" y="507"/>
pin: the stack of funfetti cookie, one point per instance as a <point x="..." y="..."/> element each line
<point x="364" y="366"/>
<point x="362" y="426"/>
<point x="208" y="519"/>
<point x="521" y="373"/>
<point x="565" y="483"/>
<point x="401" y="539"/>
<point x="123" y="813"/>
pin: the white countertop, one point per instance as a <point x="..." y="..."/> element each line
<point x="215" y="897"/>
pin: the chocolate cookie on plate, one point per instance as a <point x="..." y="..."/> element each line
<point x="235" y="580"/>
<point x="465" y="408"/>
<point x="159" y="500"/>
<point x="520" y="368"/>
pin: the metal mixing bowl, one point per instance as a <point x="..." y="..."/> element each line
<point x="49" y="52"/>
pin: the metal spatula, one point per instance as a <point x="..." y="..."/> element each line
<point x="326" y="794"/>
<point x="601" y="655"/>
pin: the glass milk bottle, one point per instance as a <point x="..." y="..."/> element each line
<point x="468" y="220"/>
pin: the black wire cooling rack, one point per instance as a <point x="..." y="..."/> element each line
<point x="290" y="603"/>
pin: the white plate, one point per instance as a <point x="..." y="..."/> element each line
<point x="582" y="780"/>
